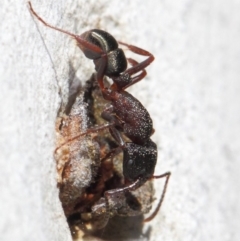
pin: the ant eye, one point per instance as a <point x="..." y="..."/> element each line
<point x="130" y="163"/>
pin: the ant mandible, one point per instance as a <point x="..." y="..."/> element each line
<point x="125" y="113"/>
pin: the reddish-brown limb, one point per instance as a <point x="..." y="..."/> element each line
<point x="141" y="65"/>
<point x="167" y="175"/>
<point x="137" y="78"/>
<point x="78" y="38"/>
<point x="90" y="130"/>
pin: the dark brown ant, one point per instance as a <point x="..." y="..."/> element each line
<point x="125" y="113"/>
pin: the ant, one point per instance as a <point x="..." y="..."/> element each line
<point x="125" y="113"/>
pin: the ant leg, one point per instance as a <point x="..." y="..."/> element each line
<point x="132" y="187"/>
<point x="99" y="217"/>
<point x="117" y="136"/>
<point x="81" y="41"/>
<point x="107" y="115"/>
<point x="90" y="130"/>
<point x="92" y="50"/>
<point x="142" y="65"/>
<point x="167" y="175"/>
<point x="108" y="193"/>
<point x="87" y="47"/>
<point x="137" y="78"/>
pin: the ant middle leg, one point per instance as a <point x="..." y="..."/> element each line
<point x="125" y="80"/>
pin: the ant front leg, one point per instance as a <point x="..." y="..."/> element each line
<point x="137" y="78"/>
<point x="124" y="81"/>
<point x="89" y="131"/>
<point x="108" y="115"/>
<point x="89" y="49"/>
<point x="101" y="71"/>
<point x="142" y="65"/>
<point x="167" y="175"/>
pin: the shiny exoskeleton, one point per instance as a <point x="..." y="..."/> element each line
<point x="124" y="113"/>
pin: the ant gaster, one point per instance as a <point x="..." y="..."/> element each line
<point x="125" y="113"/>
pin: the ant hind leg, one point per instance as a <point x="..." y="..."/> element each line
<point x="167" y="175"/>
<point x="89" y="131"/>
